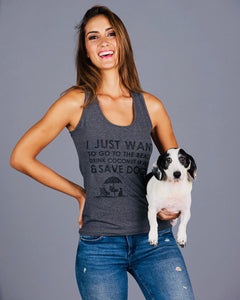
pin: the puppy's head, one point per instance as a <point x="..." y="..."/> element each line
<point x="173" y="165"/>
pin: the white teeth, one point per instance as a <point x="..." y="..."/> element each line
<point x="105" y="53"/>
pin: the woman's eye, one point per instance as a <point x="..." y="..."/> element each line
<point x="112" y="33"/>
<point x="92" y="37"/>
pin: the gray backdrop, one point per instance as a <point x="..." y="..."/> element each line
<point x="187" y="54"/>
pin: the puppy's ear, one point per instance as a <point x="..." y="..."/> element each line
<point x="192" y="167"/>
<point x="157" y="172"/>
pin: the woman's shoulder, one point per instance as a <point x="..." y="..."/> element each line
<point x="73" y="98"/>
<point x="154" y="104"/>
<point x="71" y="105"/>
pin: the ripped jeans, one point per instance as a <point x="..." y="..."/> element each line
<point x="102" y="263"/>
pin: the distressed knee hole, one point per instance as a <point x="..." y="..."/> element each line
<point x="178" y="269"/>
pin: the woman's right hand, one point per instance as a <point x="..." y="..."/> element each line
<point x="81" y="201"/>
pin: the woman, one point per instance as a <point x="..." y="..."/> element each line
<point x="111" y="121"/>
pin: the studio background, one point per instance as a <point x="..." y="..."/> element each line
<point x="187" y="54"/>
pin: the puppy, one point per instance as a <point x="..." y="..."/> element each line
<point x="168" y="186"/>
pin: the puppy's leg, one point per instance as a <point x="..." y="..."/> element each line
<point x="153" y="233"/>
<point x="185" y="216"/>
<point x="173" y="222"/>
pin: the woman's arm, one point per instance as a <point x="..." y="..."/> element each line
<point x="162" y="132"/>
<point x="162" y="135"/>
<point x="63" y="113"/>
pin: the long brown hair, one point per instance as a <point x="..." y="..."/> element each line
<point x="88" y="75"/>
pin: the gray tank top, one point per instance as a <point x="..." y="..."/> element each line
<point x="113" y="161"/>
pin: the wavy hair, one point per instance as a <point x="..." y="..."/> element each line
<point x="88" y="75"/>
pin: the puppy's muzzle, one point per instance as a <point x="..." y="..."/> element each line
<point x="177" y="174"/>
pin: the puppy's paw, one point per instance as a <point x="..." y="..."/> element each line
<point x="182" y="240"/>
<point x="182" y="243"/>
<point x="153" y="239"/>
<point x="153" y="242"/>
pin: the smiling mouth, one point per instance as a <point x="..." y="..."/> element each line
<point x="106" y="54"/>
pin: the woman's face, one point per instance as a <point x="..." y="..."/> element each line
<point x="101" y="43"/>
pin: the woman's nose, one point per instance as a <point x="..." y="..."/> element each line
<point x="104" y="42"/>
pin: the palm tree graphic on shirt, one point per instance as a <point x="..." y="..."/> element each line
<point x="111" y="188"/>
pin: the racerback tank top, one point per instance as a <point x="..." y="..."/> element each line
<point x="113" y="161"/>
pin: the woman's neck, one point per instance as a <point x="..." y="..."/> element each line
<point x="111" y="85"/>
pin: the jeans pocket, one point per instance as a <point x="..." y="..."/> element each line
<point x="90" y="238"/>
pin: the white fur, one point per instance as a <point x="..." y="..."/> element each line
<point x="172" y="194"/>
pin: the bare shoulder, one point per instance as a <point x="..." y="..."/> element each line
<point x="162" y="132"/>
<point x="155" y="107"/>
<point x="72" y="99"/>
<point x="69" y="107"/>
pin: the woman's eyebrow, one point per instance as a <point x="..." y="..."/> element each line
<point x="98" y="31"/>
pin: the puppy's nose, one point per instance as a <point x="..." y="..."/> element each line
<point x="177" y="174"/>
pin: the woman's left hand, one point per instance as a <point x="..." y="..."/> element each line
<point x="166" y="215"/>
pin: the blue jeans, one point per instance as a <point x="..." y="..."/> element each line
<point x="102" y="263"/>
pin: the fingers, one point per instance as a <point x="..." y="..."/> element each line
<point x="165" y="215"/>
<point x="80" y="221"/>
<point x="80" y="218"/>
<point x="81" y="201"/>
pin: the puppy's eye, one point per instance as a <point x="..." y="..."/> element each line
<point x="169" y="160"/>
<point x="182" y="160"/>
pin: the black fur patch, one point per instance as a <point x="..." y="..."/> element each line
<point x="183" y="158"/>
<point x="188" y="160"/>
<point x="147" y="178"/>
<point x="157" y="172"/>
<point x="163" y="163"/>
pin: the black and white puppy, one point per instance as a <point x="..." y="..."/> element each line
<point x="168" y="186"/>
